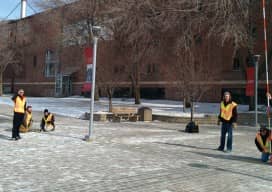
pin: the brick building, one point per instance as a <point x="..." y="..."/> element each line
<point x="51" y="65"/>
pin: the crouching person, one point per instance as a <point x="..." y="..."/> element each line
<point x="27" y="122"/>
<point x="263" y="142"/>
<point x="48" y="121"/>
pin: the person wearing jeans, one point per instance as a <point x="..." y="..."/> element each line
<point x="228" y="118"/>
<point x="263" y="142"/>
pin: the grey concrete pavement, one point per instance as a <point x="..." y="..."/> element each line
<point x="128" y="156"/>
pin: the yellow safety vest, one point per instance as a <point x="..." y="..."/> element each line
<point x="19" y="105"/>
<point x="27" y="123"/>
<point x="28" y="118"/>
<point x="48" y="119"/>
<point x="226" y="111"/>
<point x="265" y="145"/>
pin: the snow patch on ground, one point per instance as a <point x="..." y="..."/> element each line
<point x="75" y="106"/>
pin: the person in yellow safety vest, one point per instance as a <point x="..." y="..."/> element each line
<point x="228" y="118"/>
<point x="263" y="142"/>
<point x="27" y="122"/>
<point x="48" y="121"/>
<point x="19" y="112"/>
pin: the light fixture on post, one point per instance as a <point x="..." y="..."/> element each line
<point x="96" y="30"/>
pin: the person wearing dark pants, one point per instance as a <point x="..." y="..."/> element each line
<point x="19" y="113"/>
<point x="226" y="129"/>
<point x="17" y="121"/>
<point x="228" y="118"/>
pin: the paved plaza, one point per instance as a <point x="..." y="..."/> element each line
<point x="128" y="157"/>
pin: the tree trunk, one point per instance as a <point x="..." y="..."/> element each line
<point x="251" y="105"/>
<point x="1" y="83"/>
<point x="184" y="102"/>
<point x="137" y="94"/>
<point x="192" y="110"/>
<point x="136" y="90"/>
<point x="110" y="93"/>
<point x="12" y="84"/>
<point x="137" y="85"/>
<point x="96" y="93"/>
<point x="187" y="102"/>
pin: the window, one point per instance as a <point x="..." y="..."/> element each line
<point x="198" y="39"/>
<point x="254" y="32"/>
<point x="199" y="5"/>
<point x="118" y="69"/>
<point x="34" y="61"/>
<point x="236" y="61"/>
<point x="236" y="64"/>
<point x="151" y="68"/>
<point x="49" y="64"/>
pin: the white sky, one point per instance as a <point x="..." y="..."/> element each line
<point x="11" y="9"/>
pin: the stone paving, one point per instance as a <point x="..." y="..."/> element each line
<point x="128" y="157"/>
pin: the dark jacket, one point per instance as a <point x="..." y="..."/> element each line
<point x="264" y="139"/>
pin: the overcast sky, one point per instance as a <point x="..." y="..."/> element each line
<point x="7" y="6"/>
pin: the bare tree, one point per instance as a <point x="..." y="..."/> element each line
<point x="78" y="28"/>
<point x="109" y="74"/>
<point x="196" y="22"/>
<point x="136" y="24"/>
<point x="73" y="28"/>
<point x="136" y="29"/>
<point x="7" y="53"/>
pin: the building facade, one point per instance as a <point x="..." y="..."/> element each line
<point x="53" y="65"/>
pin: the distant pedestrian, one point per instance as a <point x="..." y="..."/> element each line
<point x="48" y="121"/>
<point x="228" y="118"/>
<point x="19" y="112"/>
<point x="263" y="142"/>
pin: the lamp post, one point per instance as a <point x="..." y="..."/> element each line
<point x="256" y="60"/>
<point x="23" y="9"/>
<point x="96" y="32"/>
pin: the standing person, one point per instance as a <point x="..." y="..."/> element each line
<point x="48" y="121"/>
<point x="228" y="117"/>
<point x="263" y="142"/>
<point x="19" y="112"/>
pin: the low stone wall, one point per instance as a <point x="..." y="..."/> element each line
<point x="209" y="119"/>
<point x="243" y="118"/>
<point x="249" y="118"/>
<point x="97" y="116"/>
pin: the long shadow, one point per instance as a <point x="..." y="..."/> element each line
<point x="51" y="133"/>
<point x="61" y="135"/>
<point x="231" y="157"/>
<point x="4" y="137"/>
<point x="182" y="145"/>
<point x="205" y="166"/>
<point x="218" y="156"/>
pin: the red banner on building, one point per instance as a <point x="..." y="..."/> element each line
<point x="250" y="81"/>
<point x="88" y="53"/>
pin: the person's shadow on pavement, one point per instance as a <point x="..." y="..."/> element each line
<point x="183" y="145"/>
<point x="245" y="159"/>
<point x="4" y="137"/>
<point x="218" y="156"/>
